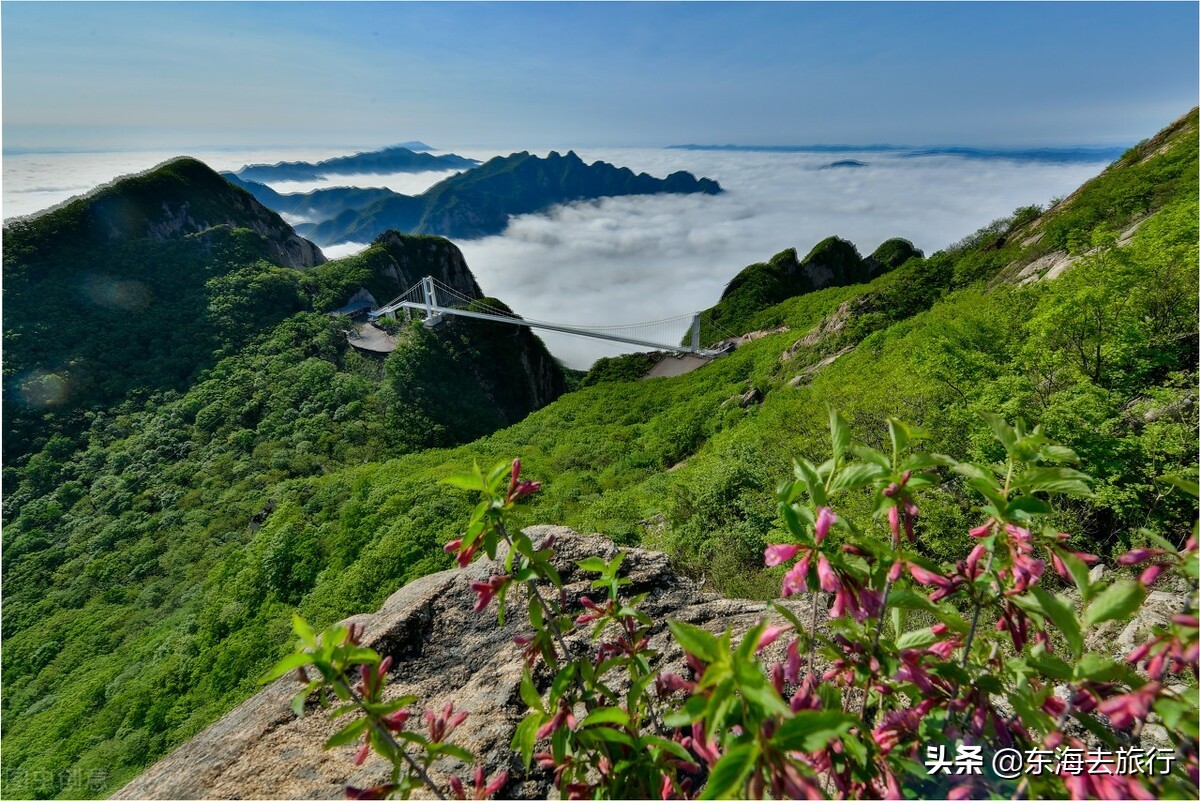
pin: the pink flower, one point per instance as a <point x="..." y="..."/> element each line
<point x="927" y="577"/>
<point x="1125" y="710"/>
<point x="778" y="554"/>
<point x="894" y="524"/>
<point x="1150" y="574"/>
<point x="517" y="487"/>
<point x="1138" y="555"/>
<point x="667" y="683"/>
<point x="796" y="579"/>
<point x="769" y="635"/>
<point x="396" y="720"/>
<point x="791" y="669"/>
<point x="825" y="518"/>
<point x="483" y="788"/>
<point x="462" y="556"/>
<point x="910" y="516"/>
<point x="562" y="716"/>
<point x="441" y="724"/>
<point x="829" y="579"/>
<point x="365" y="793"/>
<point x="595" y="611"/>
<point x="973" y="559"/>
<point x="486" y="590"/>
<point x="983" y="530"/>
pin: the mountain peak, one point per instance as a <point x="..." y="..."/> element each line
<point x="179" y="197"/>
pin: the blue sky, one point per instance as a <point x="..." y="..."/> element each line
<point x="148" y="75"/>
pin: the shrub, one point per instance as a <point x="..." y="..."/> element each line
<point x="952" y="665"/>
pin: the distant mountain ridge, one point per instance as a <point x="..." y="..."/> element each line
<point x="1056" y="155"/>
<point x="471" y="204"/>
<point x="388" y="160"/>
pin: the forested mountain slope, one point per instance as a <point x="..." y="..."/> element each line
<point x="150" y="575"/>
<point x="136" y="288"/>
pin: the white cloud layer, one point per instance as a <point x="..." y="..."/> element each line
<point x="406" y="183"/>
<point x="623" y="260"/>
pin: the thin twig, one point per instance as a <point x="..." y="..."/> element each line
<point x="987" y="569"/>
<point x="387" y="735"/>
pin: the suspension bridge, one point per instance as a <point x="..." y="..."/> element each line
<point x="436" y="301"/>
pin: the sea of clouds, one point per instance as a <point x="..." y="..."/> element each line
<point x="624" y="260"/>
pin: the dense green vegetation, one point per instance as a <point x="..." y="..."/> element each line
<point x="107" y="301"/>
<point x="151" y="561"/>
<point x="832" y="262"/>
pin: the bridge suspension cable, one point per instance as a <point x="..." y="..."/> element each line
<point x="435" y="299"/>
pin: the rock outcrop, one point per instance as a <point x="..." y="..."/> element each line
<point x="418" y="256"/>
<point x="442" y="652"/>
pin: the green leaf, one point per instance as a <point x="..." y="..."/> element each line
<point x="670" y="746"/>
<point x="1185" y="483"/>
<point x="695" y="640"/>
<point x="755" y="688"/>
<point x="975" y="471"/>
<point x="907" y="599"/>
<point x="816" y="490"/>
<point x="592" y="564"/>
<point x="731" y="772"/>
<point x="899" y="434"/>
<point x="1059" y="454"/>
<point x="561" y="680"/>
<point x="839" y="433"/>
<point x="1026" y="505"/>
<point x="1062" y="480"/>
<point x="1003" y="431"/>
<point x="609" y="735"/>
<point x="810" y="730"/>
<point x="605" y="714"/>
<point x="871" y="455"/>
<point x="1117" y="602"/>
<point x="1078" y="570"/>
<point x="287" y="665"/>
<point x="921" y="461"/>
<point x="304" y="631"/>
<point x="348" y="734"/>
<point x="1051" y="665"/>
<point x="693" y="709"/>
<point x="465" y="481"/>
<point x="749" y="644"/>
<point x="529" y="693"/>
<point x="1063" y="616"/>
<point x="525" y="737"/>
<point x="389" y="707"/>
<point x="920" y="638"/>
<point x="1094" y="667"/>
<point x="301" y="698"/>
<point x="857" y="474"/>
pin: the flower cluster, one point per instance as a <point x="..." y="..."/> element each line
<point x="911" y="657"/>
<point x="378" y="725"/>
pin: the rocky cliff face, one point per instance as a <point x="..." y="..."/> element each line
<point x="418" y="256"/>
<point x="442" y="651"/>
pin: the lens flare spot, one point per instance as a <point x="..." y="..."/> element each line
<point x="44" y="389"/>
<point x="108" y="292"/>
